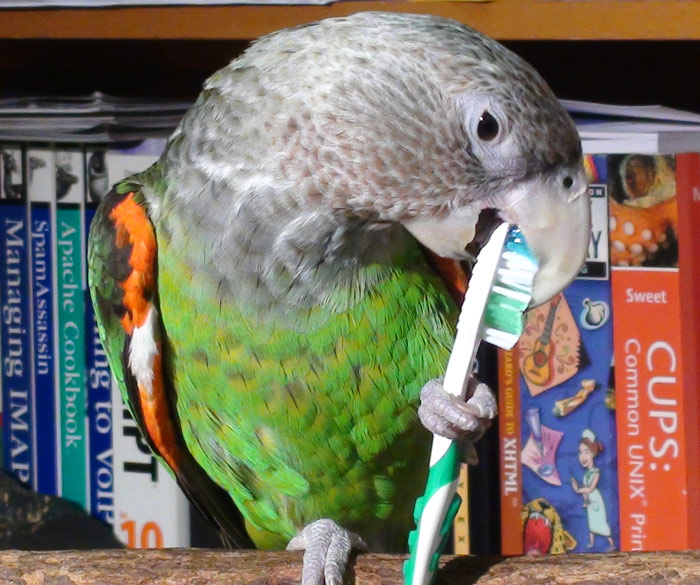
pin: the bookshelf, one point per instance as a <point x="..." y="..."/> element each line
<point x="626" y="51"/>
<point x="503" y="19"/>
<point x="629" y="51"/>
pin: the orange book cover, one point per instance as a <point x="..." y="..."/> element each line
<point x="654" y="204"/>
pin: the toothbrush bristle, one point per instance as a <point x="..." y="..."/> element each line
<point x="511" y="292"/>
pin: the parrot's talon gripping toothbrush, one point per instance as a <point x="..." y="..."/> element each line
<point x="499" y="292"/>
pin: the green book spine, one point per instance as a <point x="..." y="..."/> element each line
<point x="71" y="323"/>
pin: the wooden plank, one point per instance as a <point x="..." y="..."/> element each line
<point x="187" y="567"/>
<point x="502" y="19"/>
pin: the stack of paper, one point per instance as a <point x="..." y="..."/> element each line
<point x="606" y="128"/>
<point x="95" y="118"/>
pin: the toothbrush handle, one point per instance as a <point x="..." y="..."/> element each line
<point x="436" y="508"/>
<point x="434" y="513"/>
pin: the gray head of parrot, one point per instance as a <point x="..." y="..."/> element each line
<point x="303" y="151"/>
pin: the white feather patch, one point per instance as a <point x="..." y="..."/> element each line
<point x="446" y="236"/>
<point x="142" y="351"/>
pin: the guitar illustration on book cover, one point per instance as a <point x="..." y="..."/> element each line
<point x="550" y="347"/>
<point x="537" y="365"/>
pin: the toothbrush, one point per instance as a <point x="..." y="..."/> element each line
<point x="499" y="292"/>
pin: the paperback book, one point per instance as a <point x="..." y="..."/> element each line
<point x="654" y="212"/>
<point x="150" y="510"/>
<point x="70" y="254"/>
<point x="41" y="187"/>
<point x="99" y="378"/>
<point x="17" y="435"/>
<point x="559" y="447"/>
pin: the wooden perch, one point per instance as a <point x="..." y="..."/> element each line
<point x="205" y="567"/>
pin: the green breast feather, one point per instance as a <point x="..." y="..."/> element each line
<point x="296" y="424"/>
<point x="314" y="422"/>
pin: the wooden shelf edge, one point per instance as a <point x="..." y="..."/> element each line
<point x="502" y="19"/>
<point x="183" y="567"/>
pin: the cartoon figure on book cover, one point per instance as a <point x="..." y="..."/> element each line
<point x="643" y="211"/>
<point x="566" y="393"/>
<point x="588" y="449"/>
<point x="543" y="531"/>
<point x="565" y="365"/>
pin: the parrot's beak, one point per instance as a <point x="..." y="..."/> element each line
<point x="553" y="212"/>
<point x="554" y="215"/>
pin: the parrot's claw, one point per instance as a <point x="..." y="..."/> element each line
<point x="326" y="549"/>
<point x="450" y="417"/>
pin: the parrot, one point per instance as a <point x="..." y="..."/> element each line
<point x="277" y="294"/>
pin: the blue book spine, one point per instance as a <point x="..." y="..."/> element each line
<point x="15" y="323"/>
<point x="40" y="187"/>
<point x="99" y="378"/>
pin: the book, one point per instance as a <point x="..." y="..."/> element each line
<point x="461" y="542"/>
<point x="653" y="184"/>
<point x="70" y="254"/>
<point x="150" y="510"/>
<point x="654" y="210"/>
<point x="604" y="129"/>
<point x="15" y="324"/>
<point x="607" y="128"/>
<point x="510" y="474"/>
<point x="558" y="435"/>
<point x="32" y="107"/>
<point x="41" y="187"/>
<point x="95" y="118"/>
<point x="598" y="111"/>
<point x="99" y="378"/>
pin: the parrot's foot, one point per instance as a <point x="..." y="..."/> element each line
<point x="448" y="416"/>
<point x="326" y="549"/>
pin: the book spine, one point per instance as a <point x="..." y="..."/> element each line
<point x="71" y="325"/>
<point x="483" y="482"/>
<point x="41" y="189"/>
<point x="99" y="378"/>
<point x="650" y="437"/>
<point x="15" y="325"/>
<point x="645" y="281"/>
<point x="150" y="509"/>
<point x="509" y="452"/>
<point x="688" y="187"/>
<point x="460" y="525"/>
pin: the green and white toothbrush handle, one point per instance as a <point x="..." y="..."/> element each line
<point x="436" y="509"/>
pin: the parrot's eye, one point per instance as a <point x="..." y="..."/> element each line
<point x="488" y="131"/>
<point x="487" y="128"/>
